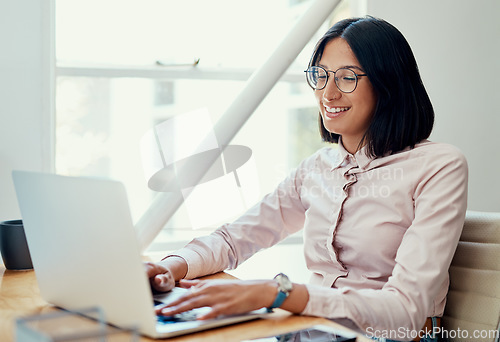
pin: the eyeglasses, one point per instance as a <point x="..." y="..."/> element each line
<point x="345" y="78"/>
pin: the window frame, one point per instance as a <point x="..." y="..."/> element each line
<point x="196" y="72"/>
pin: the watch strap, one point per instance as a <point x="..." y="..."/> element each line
<point x="280" y="298"/>
<point x="284" y="288"/>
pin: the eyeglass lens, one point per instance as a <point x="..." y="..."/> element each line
<point x="345" y="79"/>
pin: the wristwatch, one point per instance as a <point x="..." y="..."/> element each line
<point x="284" y="288"/>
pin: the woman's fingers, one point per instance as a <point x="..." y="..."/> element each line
<point x="182" y="306"/>
<point x="160" y="277"/>
<point x="163" y="282"/>
<point x="186" y="283"/>
<point x="224" y="297"/>
<point x="194" y="298"/>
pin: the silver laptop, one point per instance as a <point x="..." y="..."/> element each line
<point x="85" y="253"/>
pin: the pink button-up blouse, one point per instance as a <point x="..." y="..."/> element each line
<point x="379" y="233"/>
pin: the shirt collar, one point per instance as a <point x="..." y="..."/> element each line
<point x="360" y="158"/>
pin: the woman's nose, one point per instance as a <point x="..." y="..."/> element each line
<point x="331" y="92"/>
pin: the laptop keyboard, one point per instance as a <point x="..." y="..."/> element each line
<point x="182" y="317"/>
<point x="186" y="316"/>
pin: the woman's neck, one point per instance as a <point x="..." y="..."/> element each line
<point x="352" y="145"/>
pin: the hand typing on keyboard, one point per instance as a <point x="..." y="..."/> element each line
<point x="220" y="298"/>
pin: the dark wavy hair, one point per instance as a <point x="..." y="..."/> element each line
<point x="403" y="113"/>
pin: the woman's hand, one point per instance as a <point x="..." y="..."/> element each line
<point x="160" y="278"/>
<point x="163" y="275"/>
<point x="225" y="297"/>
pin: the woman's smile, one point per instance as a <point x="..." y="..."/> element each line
<point x="335" y="112"/>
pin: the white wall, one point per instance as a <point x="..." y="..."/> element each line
<point x="456" y="44"/>
<point x="25" y="94"/>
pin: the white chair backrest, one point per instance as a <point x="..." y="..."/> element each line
<point x="473" y="307"/>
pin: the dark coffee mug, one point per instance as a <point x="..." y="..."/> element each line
<point x="15" y="253"/>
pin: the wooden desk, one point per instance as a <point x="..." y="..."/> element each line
<point x="19" y="296"/>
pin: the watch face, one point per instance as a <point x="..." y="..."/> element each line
<point x="284" y="283"/>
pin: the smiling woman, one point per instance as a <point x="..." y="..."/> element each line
<point x="381" y="214"/>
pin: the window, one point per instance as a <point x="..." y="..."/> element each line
<point x="123" y="67"/>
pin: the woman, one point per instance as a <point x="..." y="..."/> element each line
<point x="382" y="213"/>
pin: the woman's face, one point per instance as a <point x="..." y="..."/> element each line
<point x="346" y="114"/>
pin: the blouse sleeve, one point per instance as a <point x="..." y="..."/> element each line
<point x="275" y="217"/>
<point x="422" y="259"/>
